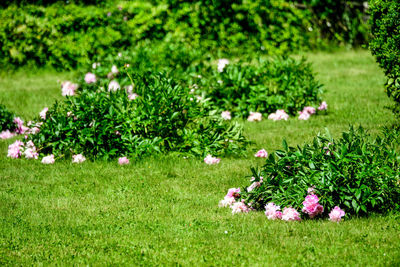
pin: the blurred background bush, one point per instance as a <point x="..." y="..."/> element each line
<point x="68" y="34"/>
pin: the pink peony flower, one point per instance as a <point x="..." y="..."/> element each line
<point x="323" y="106"/>
<point x="48" y="159"/>
<point x="226" y="115"/>
<point x="280" y="114"/>
<point x="233" y="192"/>
<point x="311" y="206"/>
<point x="222" y="63"/>
<point x="21" y="129"/>
<point x="253" y="186"/>
<point x="133" y="96"/>
<point x="336" y="214"/>
<point x="255" y="116"/>
<point x="211" y="160"/>
<point x="290" y="214"/>
<point x="6" y="134"/>
<point x="15" y="149"/>
<point x="113" y="86"/>
<point x="261" y="154"/>
<point x="226" y="202"/>
<point x="43" y="113"/>
<point x="272" y="211"/>
<point x="79" y="158"/>
<point x="304" y="115"/>
<point x="114" y="69"/>
<point x="238" y="207"/>
<point x="68" y="88"/>
<point x="123" y="161"/>
<point x="309" y="110"/>
<point x="90" y="78"/>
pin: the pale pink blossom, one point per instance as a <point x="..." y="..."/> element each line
<point x="90" y="78"/>
<point x="43" y="113"/>
<point x="68" y="88"/>
<point x="222" y="63"/>
<point x="280" y="114"/>
<point x="133" y="96"/>
<point x="129" y="89"/>
<point x="211" y="160"/>
<point x="261" y="154"/>
<point x="114" y="69"/>
<point x="323" y="106"/>
<point x="336" y="214"/>
<point x="290" y="214"/>
<point x="34" y="130"/>
<point x="6" y="134"/>
<point x="238" y="207"/>
<point x="21" y="129"/>
<point x="226" y="115"/>
<point x="226" y="202"/>
<point x="311" y="206"/>
<point x="255" y="116"/>
<point x="272" y="211"/>
<point x="79" y="158"/>
<point x="311" y="190"/>
<point x="309" y="110"/>
<point x="123" y="161"/>
<point x="304" y="115"/>
<point x="95" y="65"/>
<point x="31" y="153"/>
<point x="48" y="159"/>
<point x="253" y="186"/>
<point x="15" y="149"/>
<point x="233" y="192"/>
<point x="113" y="86"/>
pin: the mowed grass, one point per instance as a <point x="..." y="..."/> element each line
<point x="164" y="210"/>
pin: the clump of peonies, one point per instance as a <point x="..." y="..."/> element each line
<point x="261" y="154"/>
<point x="222" y="63"/>
<point x="48" y="159"/>
<point x="255" y="116"/>
<point x="290" y="214"/>
<point x="68" y="88"/>
<point x="211" y="160"/>
<point x="123" y="161"/>
<point x="79" y="158"/>
<point x="239" y="207"/>
<point x="30" y="151"/>
<point x="272" y="211"/>
<point x="311" y="206"/>
<point x="306" y="113"/>
<point x="280" y="114"/>
<point x="90" y="78"/>
<point x="336" y="214"/>
<point x="226" y="115"/>
<point x="18" y="148"/>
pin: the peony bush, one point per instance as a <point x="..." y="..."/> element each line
<point x="281" y="85"/>
<point x="355" y="175"/>
<point x="103" y="120"/>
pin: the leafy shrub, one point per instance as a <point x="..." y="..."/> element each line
<point x="281" y="83"/>
<point x="385" y="44"/>
<point x="101" y="123"/>
<point x="6" y="119"/>
<point x="354" y="172"/>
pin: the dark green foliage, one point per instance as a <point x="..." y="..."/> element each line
<point x="163" y="118"/>
<point x="6" y="119"/>
<point x="339" y="21"/>
<point x="281" y="83"/>
<point x="354" y="172"/>
<point x="385" y="45"/>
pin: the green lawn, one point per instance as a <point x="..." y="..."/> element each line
<point x="164" y="210"/>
